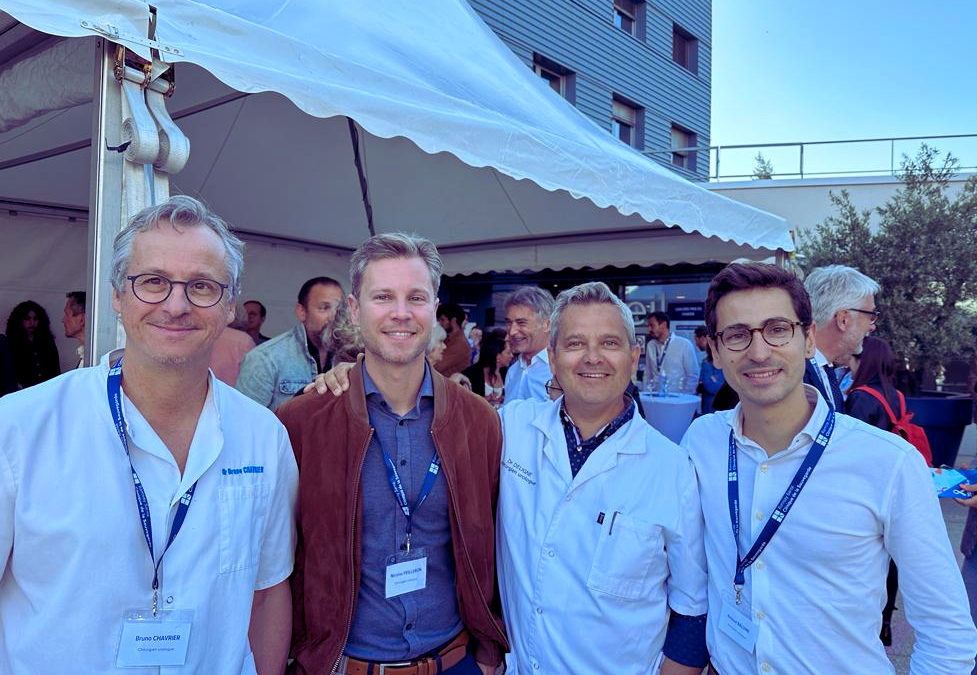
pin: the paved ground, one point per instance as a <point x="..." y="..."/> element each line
<point x="954" y="515"/>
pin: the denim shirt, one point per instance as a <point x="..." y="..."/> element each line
<point x="275" y="371"/>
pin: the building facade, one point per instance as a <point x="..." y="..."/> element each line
<point x="639" y="69"/>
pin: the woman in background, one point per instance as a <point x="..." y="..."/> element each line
<point x="436" y="347"/>
<point x="875" y="368"/>
<point x="32" y="344"/>
<point x="487" y="375"/>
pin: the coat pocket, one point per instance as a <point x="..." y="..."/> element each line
<point x="243" y="513"/>
<point x="625" y="553"/>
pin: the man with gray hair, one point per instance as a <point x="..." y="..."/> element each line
<point x="87" y="585"/>
<point x="843" y="308"/>
<point x="74" y="321"/>
<point x="395" y="568"/>
<point x="527" y="324"/>
<point x="601" y="559"/>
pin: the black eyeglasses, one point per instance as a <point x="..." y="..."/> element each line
<point x="776" y="333"/>
<point x="554" y="390"/>
<point x="154" y="289"/>
<point x="874" y="313"/>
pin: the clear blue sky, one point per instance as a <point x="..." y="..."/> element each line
<point x="785" y="71"/>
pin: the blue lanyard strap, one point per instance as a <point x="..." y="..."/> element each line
<point x="797" y="484"/>
<point x="398" y="487"/>
<point x="813" y="372"/>
<point x="114" y="387"/>
<point x="660" y="358"/>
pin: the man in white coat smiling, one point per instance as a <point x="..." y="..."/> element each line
<point x="600" y="536"/>
<point x="146" y="508"/>
<point x="601" y="563"/>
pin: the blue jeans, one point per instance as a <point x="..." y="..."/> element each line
<point x="969" y="573"/>
<point x="467" y="666"/>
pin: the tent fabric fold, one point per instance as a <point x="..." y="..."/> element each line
<point x="459" y="140"/>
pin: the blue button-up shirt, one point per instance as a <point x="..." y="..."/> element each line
<point x="410" y="625"/>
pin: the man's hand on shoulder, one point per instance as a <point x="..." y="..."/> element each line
<point x="460" y="379"/>
<point x="335" y="380"/>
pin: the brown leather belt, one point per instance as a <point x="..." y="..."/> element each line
<point x="450" y="655"/>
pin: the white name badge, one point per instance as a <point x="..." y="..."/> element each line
<point x="406" y="573"/>
<point x="738" y="626"/>
<point x="154" y="641"/>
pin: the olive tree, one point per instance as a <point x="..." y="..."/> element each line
<point x="923" y="253"/>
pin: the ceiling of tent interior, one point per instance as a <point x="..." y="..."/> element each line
<point x="275" y="170"/>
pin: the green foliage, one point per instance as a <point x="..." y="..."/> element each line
<point x="924" y="254"/>
<point x="763" y="169"/>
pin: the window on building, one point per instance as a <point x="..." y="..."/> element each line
<point x="685" y="49"/>
<point x="553" y="79"/>
<point x="683" y="138"/>
<point x="627" y="122"/>
<point x="625" y="15"/>
<point x="629" y="16"/>
<point x="560" y="79"/>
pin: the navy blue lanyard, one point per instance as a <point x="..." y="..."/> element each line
<point x="114" y="387"/>
<point x="660" y="359"/>
<point x="814" y="373"/>
<point x="797" y="484"/>
<point x="398" y="487"/>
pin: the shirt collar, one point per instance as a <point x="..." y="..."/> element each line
<point x="208" y="437"/>
<point x="313" y="350"/>
<point x="804" y="438"/>
<point x="540" y="356"/>
<point x="426" y="390"/>
<point x="605" y="431"/>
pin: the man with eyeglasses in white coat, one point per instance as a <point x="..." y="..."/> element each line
<point x="146" y="508"/>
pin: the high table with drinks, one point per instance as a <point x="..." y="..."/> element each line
<point x="669" y="412"/>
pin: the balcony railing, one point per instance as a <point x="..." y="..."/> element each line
<point x="820" y="159"/>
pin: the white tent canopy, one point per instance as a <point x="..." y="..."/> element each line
<point x="457" y="140"/>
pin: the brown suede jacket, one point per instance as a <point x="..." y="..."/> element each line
<point x="330" y="436"/>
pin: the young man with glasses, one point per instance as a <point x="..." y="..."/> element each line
<point x="843" y="310"/>
<point x="804" y="509"/>
<point x="91" y="461"/>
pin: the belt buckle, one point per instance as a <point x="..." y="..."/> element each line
<point x="398" y="664"/>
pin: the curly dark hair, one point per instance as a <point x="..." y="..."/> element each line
<point x="34" y="360"/>
<point x="15" y="323"/>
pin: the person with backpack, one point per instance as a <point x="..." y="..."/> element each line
<point x="877" y="401"/>
<point x="874" y="399"/>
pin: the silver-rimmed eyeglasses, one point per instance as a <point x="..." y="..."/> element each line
<point x="155" y="288"/>
<point x="776" y="333"/>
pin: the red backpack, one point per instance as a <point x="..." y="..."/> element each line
<point x="904" y="426"/>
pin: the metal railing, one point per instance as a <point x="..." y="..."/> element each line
<point x="817" y="159"/>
